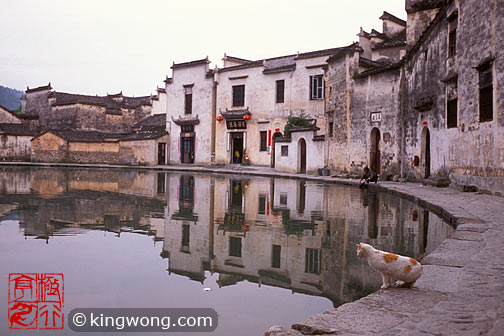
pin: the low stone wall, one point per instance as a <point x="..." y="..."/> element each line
<point x="51" y="156"/>
<point x="93" y="157"/>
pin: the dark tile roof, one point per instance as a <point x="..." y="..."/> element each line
<point x="425" y="5"/>
<point x="367" y="63"/>
<point x="78" y="136"/>
<point x="281" y="62"/>
<point x="378" y="34"/>
<point x="16" y="129"/>
<point x="253" y="64"/>
<point x="190" y="64"/>
<point x="156" y="120"/>
<point x="112" y="106"/>
<point x="144" y="134"/>
<point x="289" y="67"/>
<point x="318" y="53"/>
<point x="398" y="40"/>
<point x="40" y="88"/>
<point x="27" y="116"/>
<point x="390" y="17"/>
<point x="236" y="59"/>
<point x="342" y="51"/>
<point x="63" y="98"/>
<point x="134" y="102"/>
<point x="390" y="66"/>
<point x="161" y="90"/>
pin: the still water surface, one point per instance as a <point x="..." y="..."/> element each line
<point x="272" y="251"/>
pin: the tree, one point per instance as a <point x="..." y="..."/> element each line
<point x="296" y="121"/>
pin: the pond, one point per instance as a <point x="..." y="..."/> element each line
<point x="260" y="251"/>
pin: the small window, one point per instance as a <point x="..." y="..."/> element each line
<point x="312" y="261"/>
<point x="262" y="205"/>
<point x="452" y="43"/>
<point x="283" y="198"/>
<point x="188" y="103"/>
<point x="285" y="151"/>
<point x="317" y="87"/>
<point x="238" y="95"/>
<point x="264" y="144"/>
<point x="451" y="114"/>
<point x="280" y="89"/>
<point x="331" y="127"/>
<point x="275" y="256"/>
<point x="486" y="93"/>
<point x="235" y="247"/>
<point x="185" y="235"/>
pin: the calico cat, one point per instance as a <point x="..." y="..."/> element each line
<point x="391" y="266"/>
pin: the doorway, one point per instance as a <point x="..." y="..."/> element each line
<point x="161" y="153"/>
<point x="236" y="147"/>
<point x="275" y="135"/>
<point x="302" y="156"/>
<point x="187" y="152"/>
<point x="426" y="157"/>
<point x="374" y="151"/>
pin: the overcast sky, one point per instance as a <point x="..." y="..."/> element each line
<point x="100" y="46"/>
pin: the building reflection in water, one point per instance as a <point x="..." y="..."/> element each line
<point x="286" y="233"/>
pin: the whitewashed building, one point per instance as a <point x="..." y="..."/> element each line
<point x="254" y="99"/>
<point x="190" y="112"/>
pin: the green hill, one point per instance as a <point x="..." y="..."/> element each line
<point x="10" y="98"/>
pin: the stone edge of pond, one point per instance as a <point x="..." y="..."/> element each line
<point x="460" y="291"/>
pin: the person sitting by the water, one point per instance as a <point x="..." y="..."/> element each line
<point x="368" y="176"/>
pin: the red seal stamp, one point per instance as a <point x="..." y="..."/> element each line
<point x="36" y="301"/>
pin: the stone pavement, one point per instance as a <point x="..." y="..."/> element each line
<point x="461" y="291"/>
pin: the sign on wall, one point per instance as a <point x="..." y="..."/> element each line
<point x="376" y="117"/>
<point x="236" y="124"/>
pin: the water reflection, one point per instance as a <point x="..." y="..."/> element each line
<point x="284" y="233"/>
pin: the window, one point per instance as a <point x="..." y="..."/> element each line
<point x="285" y="151"/>
<point x="185" y="235"/>
<point x="283" y="198"/>
<point x="317" y="87"/>
<point x="238" y="95"/>
<point x="262" y="205"/>
<point x="188" y="103"/>
<point x="452" y="35"/>
<point x="264" y="137"/>
<point x="451" y="114"/>
<point x="275" y="256"/>
<point x="485" y="93"/>
<point x="235" y="247"/>
<point x="452" y="43"/>
<point x="331" y="127"/>
<point x="280" y="88"/>
<point x="312" y="261"/>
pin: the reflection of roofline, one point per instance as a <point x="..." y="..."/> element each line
<point x="191" y="275"/>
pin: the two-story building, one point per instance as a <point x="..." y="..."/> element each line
<point x="233" y="114"/>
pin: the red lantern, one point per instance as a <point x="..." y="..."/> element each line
<point x="219" y="118"/>
<point x="246" y="117"/>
